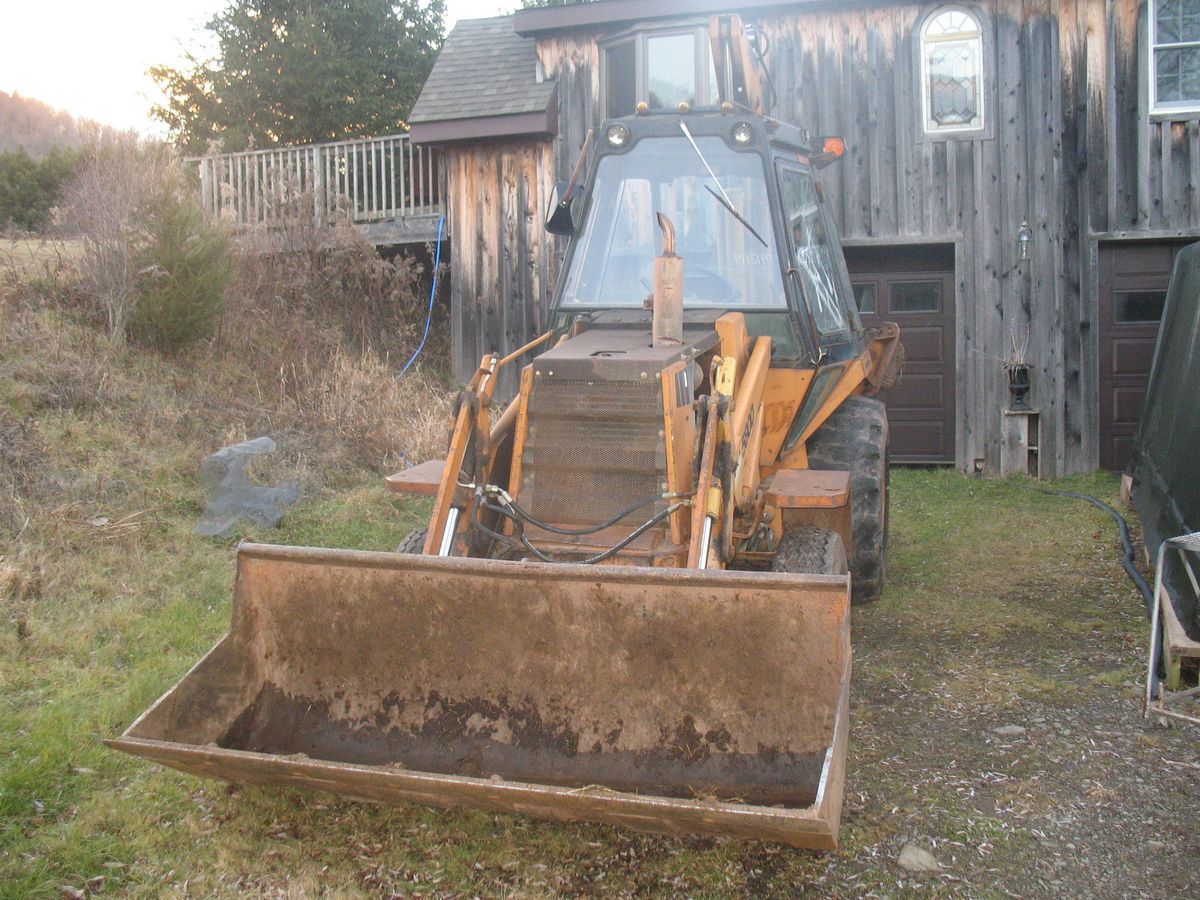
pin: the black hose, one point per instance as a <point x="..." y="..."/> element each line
<point x="579" y="532"/>
<point x="600" y="557"/>
<point x="1127" y="560"/>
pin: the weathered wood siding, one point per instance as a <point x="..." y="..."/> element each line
<point x="501" y="260"/>
<point x="1070" y="147"/>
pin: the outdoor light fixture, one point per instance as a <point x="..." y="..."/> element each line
<point x="1024" y="241"/>
<point x="743" y="132"/>
<point x="617" y="135"/>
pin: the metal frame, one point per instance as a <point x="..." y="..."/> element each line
<point x="1186" y="108"/>
<point x="1153" y="706"/>
<point x="696" y="28"/>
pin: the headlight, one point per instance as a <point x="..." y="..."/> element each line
<point x="743" y="133"/>
<point x="617" y="135"/>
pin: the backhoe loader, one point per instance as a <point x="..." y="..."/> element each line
<point x="631" y="602"/>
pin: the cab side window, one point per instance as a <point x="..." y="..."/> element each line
<point x="812" y="251"/>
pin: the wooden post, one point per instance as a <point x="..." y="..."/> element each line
<point x="317" y="179"/>
<point x="206" y="187"/>
<point x="1020" y="443"/>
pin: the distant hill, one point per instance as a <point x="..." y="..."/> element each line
<point x="37" y="128"/>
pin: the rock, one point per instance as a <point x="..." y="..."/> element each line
<point x="917" y="859"/>
<point x="1009" y="730"/>
<point x="233" y="498"/>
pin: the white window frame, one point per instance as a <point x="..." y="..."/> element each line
<point x="640" y="39"/>
<point x="928" y="127"/>
<point x="1165" y="106"/>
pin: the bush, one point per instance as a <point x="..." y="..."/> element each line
<point x="30" y="188"/>
<point x="330" y="273"/>
<point x="105" y="207"/>
<point x="183" y="272"/>
<point x="152" y="267"/>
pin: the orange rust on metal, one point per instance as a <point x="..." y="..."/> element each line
<point x="807" y="488"/>
<point x="422" y="480"/>
<point x="492" y="684"/>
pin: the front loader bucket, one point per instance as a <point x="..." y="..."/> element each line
<point x="667" y="700"/>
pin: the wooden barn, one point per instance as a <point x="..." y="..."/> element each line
<point x="1016" y="169"/>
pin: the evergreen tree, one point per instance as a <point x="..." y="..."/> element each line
<point x="302" y="71"/>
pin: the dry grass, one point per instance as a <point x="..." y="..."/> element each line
<point x="30" y="257"/>
<point x="72" y="399"/>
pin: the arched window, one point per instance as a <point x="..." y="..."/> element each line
<point x="952" y="72"/>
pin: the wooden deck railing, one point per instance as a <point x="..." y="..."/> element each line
<point x="370" y="180"/>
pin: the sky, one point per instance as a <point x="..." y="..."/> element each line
<point x="90" y="57"/>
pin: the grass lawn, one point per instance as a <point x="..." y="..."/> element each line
<point x="1003" y="607"/>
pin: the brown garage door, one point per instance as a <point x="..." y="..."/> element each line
<point x="914" y="287"/>
<point x="1133" y="286"/>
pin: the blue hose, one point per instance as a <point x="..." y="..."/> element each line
<point x="437" y="264"/>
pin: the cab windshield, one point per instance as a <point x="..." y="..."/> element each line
<point x="725" y="264"/>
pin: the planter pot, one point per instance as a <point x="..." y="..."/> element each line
<point x="1018" y="385"/>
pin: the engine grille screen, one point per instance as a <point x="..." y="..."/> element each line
<point x="593" y="449"/>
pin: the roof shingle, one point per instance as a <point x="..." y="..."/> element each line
<point x="485" y="69"/>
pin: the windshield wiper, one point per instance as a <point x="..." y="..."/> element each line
<point x="722" y="197"/>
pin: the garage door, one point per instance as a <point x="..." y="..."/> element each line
<point x="1133" y="288"/>
<point x="914" y="287"/>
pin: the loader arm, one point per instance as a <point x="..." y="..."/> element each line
<point x="472" y="439"/>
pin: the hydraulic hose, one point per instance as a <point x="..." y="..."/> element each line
<point x="508" y="511"/>
<point x="580" y="532"/>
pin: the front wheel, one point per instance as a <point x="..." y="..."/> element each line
<point x="414" y="543"/>
<point x="810" y="550"/>
<point x="855" y="439"/>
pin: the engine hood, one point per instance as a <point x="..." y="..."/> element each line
<point x="621" y="354"/>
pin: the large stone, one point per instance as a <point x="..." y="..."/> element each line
<point x="917" y="859"/>
<point x="1009" y="730"/>
<point x="233" y="498"/>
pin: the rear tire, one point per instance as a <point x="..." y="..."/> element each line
<point x="855" y="439"/>
<point x="414" y="543"/>
<point x="810" y="550"/>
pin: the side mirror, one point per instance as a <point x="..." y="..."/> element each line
<point x="560" y="217"/>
